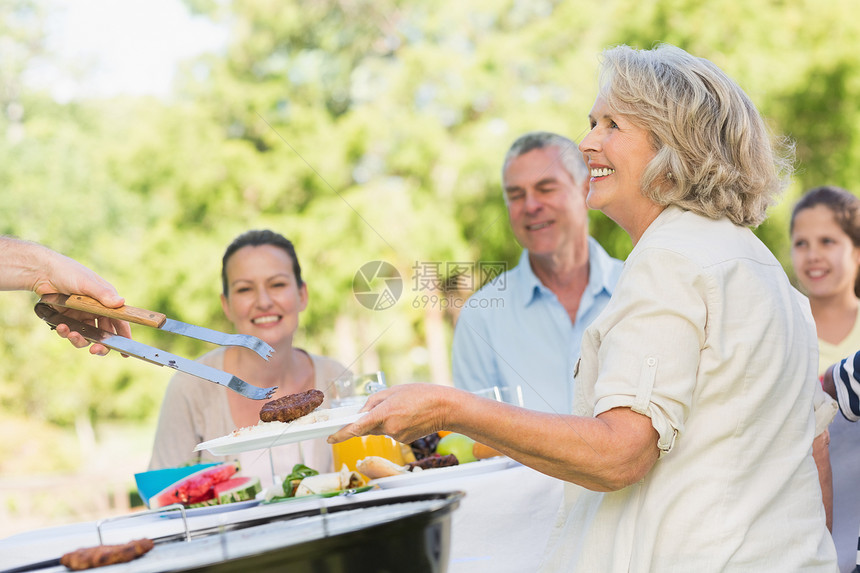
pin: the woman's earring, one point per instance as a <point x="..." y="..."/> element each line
<point x="669" y="175"/>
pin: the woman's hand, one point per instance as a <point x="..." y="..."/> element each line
<point x="605" y="453"/>
<point x="405" y="412"/>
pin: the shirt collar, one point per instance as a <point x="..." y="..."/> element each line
<point x="602" y="274"/>
<point x="530" y="286"/>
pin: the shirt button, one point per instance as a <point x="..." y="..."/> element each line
<point x="651" y="361"/>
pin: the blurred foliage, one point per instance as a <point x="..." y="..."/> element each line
<point x="363" y="130"/>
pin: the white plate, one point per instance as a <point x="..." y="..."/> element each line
<point x="210" y="509"/>
<point x="317" y="424"/>
<point x="437" y="474"/>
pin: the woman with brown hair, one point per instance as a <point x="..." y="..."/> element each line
<point x="263" y="295"/>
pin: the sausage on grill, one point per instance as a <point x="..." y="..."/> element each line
<point x="89" y="557"/>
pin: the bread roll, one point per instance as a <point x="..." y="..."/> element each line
<point x="375" y="467"/>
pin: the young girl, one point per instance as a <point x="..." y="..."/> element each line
<point x="825" y="252"/>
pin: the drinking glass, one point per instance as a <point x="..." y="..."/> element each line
<point x="348" y="390"/>
<point x="510" y="394"/>
<point x="350" y="451"/>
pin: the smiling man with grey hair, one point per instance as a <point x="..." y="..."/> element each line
<point x="524" y="328"/>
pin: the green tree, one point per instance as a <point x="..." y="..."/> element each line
<point x="364" y="131"/>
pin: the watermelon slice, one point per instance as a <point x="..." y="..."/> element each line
<point x="237" y="489"/>
<point x="189" y="486"/>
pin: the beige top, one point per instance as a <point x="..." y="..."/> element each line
<point x="706" y="336"/>
<point x="196" y="410"/>
<point x="828" y="355"/>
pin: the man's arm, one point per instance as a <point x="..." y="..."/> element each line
<point x="33" y="267"/>
<point x="29" y="266"/>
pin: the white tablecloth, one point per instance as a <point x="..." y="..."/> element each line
<point x="503" y="521"/>
<point x="502" y="524"/>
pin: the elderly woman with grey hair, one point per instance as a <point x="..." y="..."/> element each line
<point x="692" y="423"/>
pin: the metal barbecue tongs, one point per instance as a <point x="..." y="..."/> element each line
<point x="46" y="310"/>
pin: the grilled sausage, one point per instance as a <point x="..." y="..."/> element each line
<point x="291" y="407"/>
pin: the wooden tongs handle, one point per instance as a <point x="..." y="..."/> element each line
<point x="91" y="305"/>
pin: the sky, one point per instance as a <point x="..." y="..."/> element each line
<point x="112" y="47"/>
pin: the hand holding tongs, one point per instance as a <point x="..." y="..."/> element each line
<point x="44" y="309"/>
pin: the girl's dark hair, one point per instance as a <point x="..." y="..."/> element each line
<point x="845" y="208"/>
<point x="255" y="238"/>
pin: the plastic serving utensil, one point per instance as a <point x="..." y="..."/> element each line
<point x="154" y="355"/>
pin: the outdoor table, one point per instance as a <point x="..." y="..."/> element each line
<point x="502" y="523"/>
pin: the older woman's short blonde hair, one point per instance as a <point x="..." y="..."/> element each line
<point x="715" y="155"/>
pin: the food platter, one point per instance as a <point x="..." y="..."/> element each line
<point x="317" y="424"/>
<point x="450" y="472"/>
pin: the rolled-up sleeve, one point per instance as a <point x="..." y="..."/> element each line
<point x="649" y="353"/>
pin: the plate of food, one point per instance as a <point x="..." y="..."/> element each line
<point x="404" y="477"/>
<point x="282" y="423"/>
<point x="202" y="488"/>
